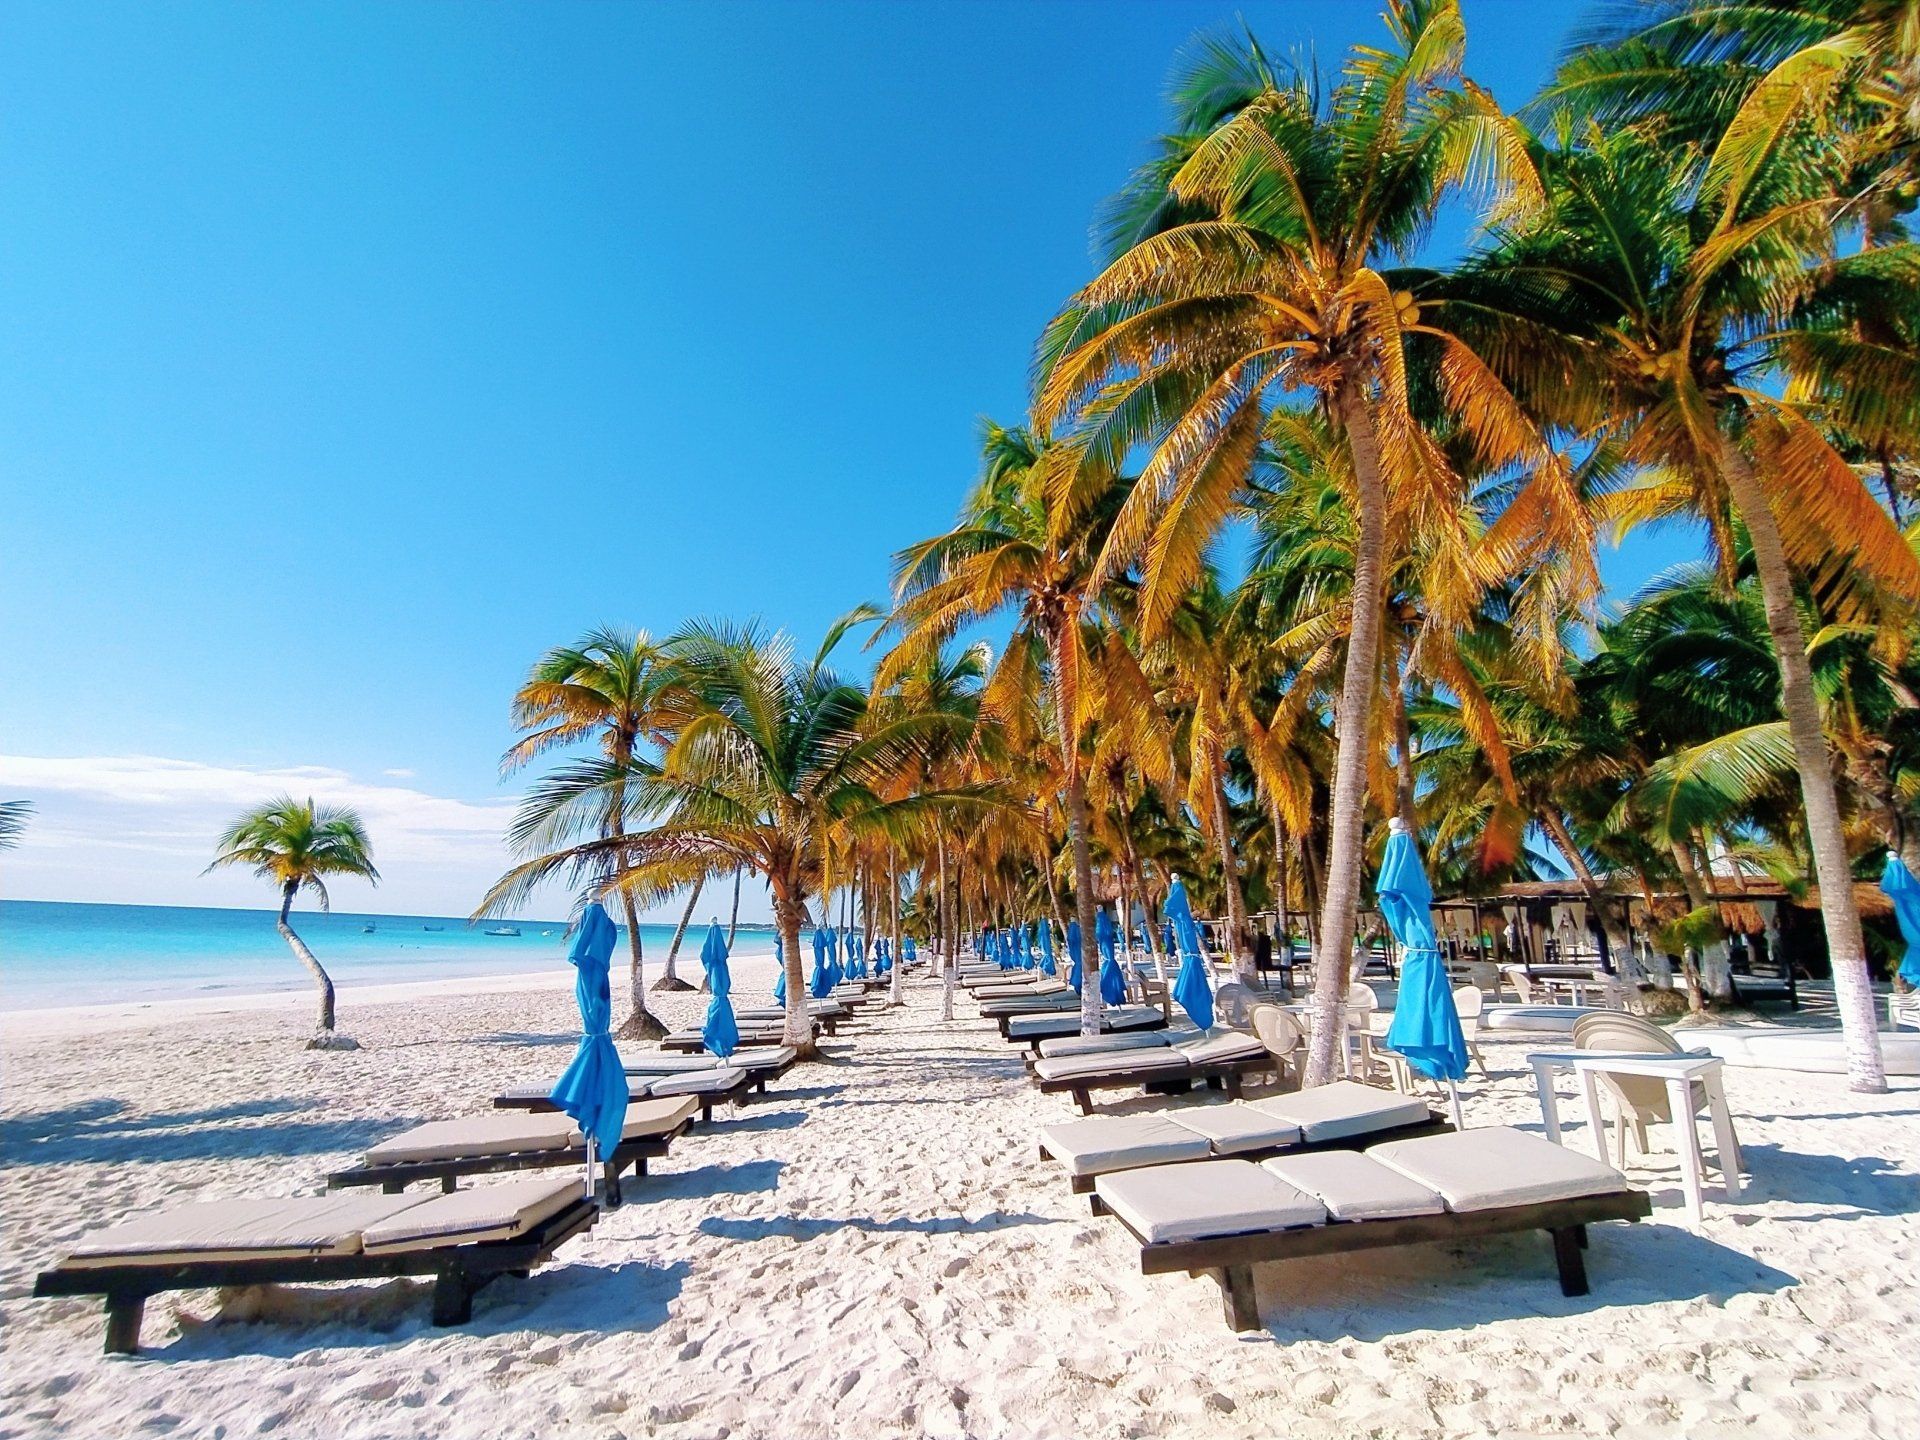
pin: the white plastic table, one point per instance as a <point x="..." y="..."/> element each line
<point x="1681" y="1073"/>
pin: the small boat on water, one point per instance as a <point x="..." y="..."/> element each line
<point x="503" y="930"/>
<point x="433" y="927"/>
<point x="366" y="929"/>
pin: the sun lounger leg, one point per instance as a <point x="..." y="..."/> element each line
<point x="1573" y="1265"/>
<point x="1237" y="1299"/>
<point x="392" y="1187"/>
<point x="448" y="1185"/>
<point x="124" y="1313"/>
<point x="610" y="1182"/>
<point x="1083" y="1097"/>
<point x="453" y="1297"/>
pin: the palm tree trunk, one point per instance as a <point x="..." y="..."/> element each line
<point x="797" y="1026"/>
<point x="1619" y="942"/>
<point x="641" y="1023"/>
<point x="306" y="958"/>
<point x="1353" y="724"/>
<point x="946" y="918"/>
<point x="897" y="975"/>
<point x="1239" y="945"/>
<point x="733" y="924"/>
<point x="670" y="978"/>
<point x="1091" y="1006"/>
<point x="1403" y="750"/>
<point x="1696" y="900"/>
<point x="1852" y="985"/>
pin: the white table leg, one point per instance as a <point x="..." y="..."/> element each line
<point x="1549" y="1106"/>
<point x="1680" y="1100"/>
<point x="1725" y="1146"/>
<point x="1590" y="1086"/>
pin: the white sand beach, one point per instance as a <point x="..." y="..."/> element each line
<point x="875" y="1249"/>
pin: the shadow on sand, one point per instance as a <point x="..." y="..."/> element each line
<point x="102" y="1132"/>
<point x="812" y="1227"/>
<point x="1380" y="1294"/>
<point x="284" y="1322"/>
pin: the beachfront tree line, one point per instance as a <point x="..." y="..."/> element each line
<point x="1692" y="295"/>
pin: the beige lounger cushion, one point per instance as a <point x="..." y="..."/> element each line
<point x="659" y="1062"/>
<point x="495" y="1134"/>
<point x="701" y="1082"/>
<point x="1221" y="1046"/>
<point x="1203" y="1199"/>
<point x="467" y="1217"/>
<point x="1112" y="1142"/>
<point x="650" y="1117"/>
<point x="1354" y="1186"/>
<point x="1093" y="1044"/>
<point x="1236" y="1127"/>
<point x="289" y="1228"/>
<point x="1073" y="1067"/>
<point x="1343" y="1109"/>
<point x="1494" y="1167"/>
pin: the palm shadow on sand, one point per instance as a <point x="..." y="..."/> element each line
<point x="812" y="1227"/>
<point x="103" y="1132"/>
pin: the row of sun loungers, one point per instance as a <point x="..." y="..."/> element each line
<point x="1220" y="1059"/>
<point x="464" y="1238"/>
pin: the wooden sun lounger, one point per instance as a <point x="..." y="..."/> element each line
<point x="737" y="1092"/>
<point x="764" y="1063"/>
<point x="1229" y="1258"/>
<point x="393" y="1176"/>
<point x="771" y="1039"/>
<point x="1055" y="1024"/>
<point x="1127" y="1073"/>
<point x="460" y="1270"/>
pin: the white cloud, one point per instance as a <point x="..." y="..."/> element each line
<point x="399" y="773"/>
<point x="141" y="828"/>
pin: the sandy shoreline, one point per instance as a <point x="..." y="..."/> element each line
<point x="876" y="1250"/>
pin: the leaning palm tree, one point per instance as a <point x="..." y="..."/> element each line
<point x="14" y="815"/>
<point x="297" y="844"/>
<point x="1259" y="272"/>
<point x="1668" y="320"/>
<point x="771" y="764"/>
<point x="608" y="687"/>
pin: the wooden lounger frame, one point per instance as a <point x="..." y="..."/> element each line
<point x="738" y="1093"/>
<point x="459" y="1271"/>
<point x="1229" y="1259"/>
<point x="394" y="1176"/>
<point x="1032" y="1042"/>
<point x="750" y="1040"/>
<point x="1412" y="1130"/>
<point x="1216" y="1073"/>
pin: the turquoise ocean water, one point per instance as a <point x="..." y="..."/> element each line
<point x="60" y="954"/>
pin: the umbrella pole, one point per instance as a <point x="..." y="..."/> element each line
<point x="593" y="1170"/>
<point x="1453" y="1099"/>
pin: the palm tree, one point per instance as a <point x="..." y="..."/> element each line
<point x="770" y="764"/>
<point x="1014" y="550"/>
<point x="297" y="844"/>
<point x="14" y="815"/>
<point x="609" y="687"/>
<point x="1659" y="318"/>
<point x="1259" y="274"/>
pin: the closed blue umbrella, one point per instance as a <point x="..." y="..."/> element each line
<point x="1046" y="950"/>
<point x="593" y="1088"/>
<point x="1028" y="941"/>
<point x="779" y="970"/>
<point x="822" y="981"/>
<point x="906" y="951"/>
<point x="1113" y="980"/>
<point x="835" y="971"/>
<point x="1073" y="953"/>
<point x="1190" y="986"/>
<point x="1904" y="891"/>
<point x="856" y="966"/>
<point x="720" y="1034"/>
<point x="1426" y="1026"/>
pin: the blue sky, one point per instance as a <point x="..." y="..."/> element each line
<point x="355" y="354"/>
